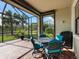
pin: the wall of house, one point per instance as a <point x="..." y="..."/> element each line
<point x="76" y="45"/>
<point x="63" y="20"/>
<point x="75" y="37"/>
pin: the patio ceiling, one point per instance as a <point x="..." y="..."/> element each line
<point x="22" y="4"/>
<point x="46" y="5"/>
<point x="40" y="6"/>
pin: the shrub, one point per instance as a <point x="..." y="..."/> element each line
<point x="19" y="33"/>
<point x="50" y="35"/>
<point x="49" y="30"/>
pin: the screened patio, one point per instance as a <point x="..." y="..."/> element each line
<point x="12" y="23"/>
<point x="20" y="20"/>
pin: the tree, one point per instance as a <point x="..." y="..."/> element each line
<point x="8" y="21"/>
<point x="20" y="19"/>
<point x="23" y="19"/>
<point x="13" y="19"/>
<point x="45" y="26"/>
<point x="49" y="30"/>
<point x="16" y="19"/>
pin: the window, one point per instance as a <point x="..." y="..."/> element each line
<point x="77" y="18"/>
<point x="49" y="25"/>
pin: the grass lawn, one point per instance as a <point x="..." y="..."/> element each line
<point x="7" y="38"/>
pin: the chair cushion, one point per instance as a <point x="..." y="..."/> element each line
<point x="54" y="44"/>
<point x="59" y="37"/>
<point x="38" y="46"/>
<point x="53" y="51"/>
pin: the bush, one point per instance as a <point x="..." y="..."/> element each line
<point x="49" y="30"/>
<point x="19" y="33"/>
<point x="50" y="35"/>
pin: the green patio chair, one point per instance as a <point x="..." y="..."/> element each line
<point x="36" y="46"/>
<point x="54" y="47"/>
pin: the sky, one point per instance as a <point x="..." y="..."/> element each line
<point x="48" y="19"/>
<point x="34" y="19"/>
<point x="9" y="7"/>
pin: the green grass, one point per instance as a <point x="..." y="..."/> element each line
<point x="7" y="38"/>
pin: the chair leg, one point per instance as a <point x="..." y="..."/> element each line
<point x="47" y="56"/>
<point x="50" y="57"/>
<point x="37" y="53"/>
<point x="33" y="52"/>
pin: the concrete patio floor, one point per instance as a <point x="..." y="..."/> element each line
<point x="14" y="49"/>
<point x="18" y="49"/>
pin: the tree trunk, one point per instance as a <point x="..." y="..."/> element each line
<point x="22" y="25"/>
<point x="11" y="26"/>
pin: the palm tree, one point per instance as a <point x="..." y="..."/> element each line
<point x="20" y="19"/>
<point x="23" y="20"/>
<point x="8" y="21"/>
<point x="13" y="19"/>
<point x="16" y="19"/>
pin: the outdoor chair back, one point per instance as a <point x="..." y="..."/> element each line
<point x="67" y="38"/>
<point x="36" y="46"/>
<point x="54" y="48"/>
